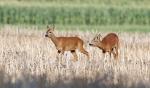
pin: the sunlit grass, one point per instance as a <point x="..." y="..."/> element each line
<point x="27" y="55"/>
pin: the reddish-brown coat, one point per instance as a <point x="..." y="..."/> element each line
<point x="108" y="44"/>
<point x="63" y="44"/>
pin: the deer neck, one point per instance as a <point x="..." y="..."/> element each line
<point x="54" y="40"/>
<point x="101" y="45"/>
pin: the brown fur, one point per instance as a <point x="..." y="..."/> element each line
<point x="67" y="44"/>
<point x="108" y="44"/>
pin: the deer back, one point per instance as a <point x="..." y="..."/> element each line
<point x="110" y="39"/>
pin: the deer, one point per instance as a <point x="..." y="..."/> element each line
<point x="110" y="44"/>
<point x="63" y="44"/>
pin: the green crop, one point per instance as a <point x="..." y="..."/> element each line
<point x="74" y="15"/>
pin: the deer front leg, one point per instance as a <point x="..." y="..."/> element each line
<point x="104" y="53"/>
<point x="60" y="56"/>
<point x="60" y="53"/>
<point x="110" y="54"/>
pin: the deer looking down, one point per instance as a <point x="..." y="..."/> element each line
<point x="63" y="44"/>
<point x="110" y="44"/>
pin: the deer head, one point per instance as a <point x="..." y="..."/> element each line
<point x="50" y="31"/>
<point x="96" y="40"/>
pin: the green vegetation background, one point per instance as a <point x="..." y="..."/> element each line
<point x="77" y="13"/>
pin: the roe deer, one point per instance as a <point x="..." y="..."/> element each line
<point x="63" y="44"/>
<point x="108" y="44"/>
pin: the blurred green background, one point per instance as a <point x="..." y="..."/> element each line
<point x="115" y="15"/>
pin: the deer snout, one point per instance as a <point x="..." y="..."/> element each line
<point x="91" y="44"/>
<point x="46" y="35"/>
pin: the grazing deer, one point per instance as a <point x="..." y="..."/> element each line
<point x="63" y="44"/>
<point x="108" y="44"/>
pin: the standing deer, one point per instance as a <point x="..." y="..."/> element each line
<point x="63" y="44"/>
<point x="110" y="44"/>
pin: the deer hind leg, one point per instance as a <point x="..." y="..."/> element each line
<point x="82" y="50"/>
<point x="75" y="55"/>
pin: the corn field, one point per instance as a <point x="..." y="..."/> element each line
<point x="74" y="15"/>
<point x="75" y="12"/>
<point x="29" y="60"/>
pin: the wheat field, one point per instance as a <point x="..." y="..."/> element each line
<point x="29" y="60"/>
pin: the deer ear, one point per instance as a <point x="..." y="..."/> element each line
<point x="96" y="35"/>
<point x="53" y="26"/>
<point x="99" y="35"/>
<point x="47" y="26"/>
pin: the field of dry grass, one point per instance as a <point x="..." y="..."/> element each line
<point x="28" y="60"/>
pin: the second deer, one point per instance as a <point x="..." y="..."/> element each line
<point x="110" y="43"/>
<point x="63" y="44"/>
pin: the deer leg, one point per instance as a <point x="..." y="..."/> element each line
<point x="110" y="54"/>
<point x="82" y="50"/>
<point x="75" y="55"/>
<point x="60" y="53"/>
<point x="114" y="54"/>
<point x="111" y="50"/>
<point x="116" y="49"/>
<point x="60" y="56"/>
<point x="103" y="51"/>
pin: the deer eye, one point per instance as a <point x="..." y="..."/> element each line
<point x="50" y="32"/>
